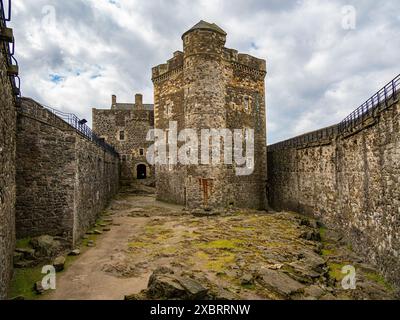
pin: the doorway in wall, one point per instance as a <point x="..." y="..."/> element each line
<point x="141" y="171"/>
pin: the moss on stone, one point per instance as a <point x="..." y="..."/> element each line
<point x="222" y="244"/>
<point x="379" y="279"/>
<point x="23" y="282"/>
<point x="23" y="243"/>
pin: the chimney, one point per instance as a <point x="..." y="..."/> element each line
<point x="113" y="101"/>
<point x="139" y="101"/>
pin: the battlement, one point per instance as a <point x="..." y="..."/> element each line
<point x="138" y="105"/>
<point x="173" y="64"/>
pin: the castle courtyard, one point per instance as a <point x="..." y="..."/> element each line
<point x="244" y="255"/>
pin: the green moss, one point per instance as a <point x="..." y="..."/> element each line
<point x="327" y="252"/>
<point x="138" y="244"/>
<point x="249" y="286"/>
<point x="222" y="244"/>
<point x="220" y="264"/>
<point x="322" y="232"/>
<point x="23" y="243"/>
<point x="335" y="271"/>
<point x="377" y="278"/>
<point x="23" y="282"/>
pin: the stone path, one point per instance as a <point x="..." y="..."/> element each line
<point x="248" y="255"/>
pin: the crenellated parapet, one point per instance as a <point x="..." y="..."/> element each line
<point x="164" y="71"/>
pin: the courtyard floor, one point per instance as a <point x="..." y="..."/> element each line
<point x="247" y="255"/>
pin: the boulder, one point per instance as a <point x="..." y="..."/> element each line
<point x="314" y="291"/>
<point x="312" y="235"/>
<point x="279" y="283"/>
<point x="75" y="252"/>
<point x="169" y="286"/>
<point x="27" y="253"/>
<point x="59" y="263"/>
<point x="39" y="288"/>
<point x="247" y="279"/>
<point x="46" y="246"/>
<point x="25" y="264"/>
<point x="97" y="232"/>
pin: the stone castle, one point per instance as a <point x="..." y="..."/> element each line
<point x="207" y="86"/>
<point x="57" y="175"/>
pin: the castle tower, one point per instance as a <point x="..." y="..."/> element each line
<point x="208" y="86"/>
<point x="204" y="95"/>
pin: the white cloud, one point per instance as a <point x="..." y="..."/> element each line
<point x="317" y="71"/>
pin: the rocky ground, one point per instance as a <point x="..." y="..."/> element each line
<point x="153" y="250"/>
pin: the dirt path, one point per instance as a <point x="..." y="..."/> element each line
<point x="248" y="255"/>
<point x="86" y="279"/>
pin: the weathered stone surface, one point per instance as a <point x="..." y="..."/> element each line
<point x="247" y="279"/>
<point x="59" y="263"/>
<point x="64" y="180"/>
<point x="169" y="286"/>
<point x="75" y="252"/>
<point x="39" y="288"/>
<point x="7" y="175"/>
<point x="26" y="253"/>
<point x="46" y="246"/>
<point x="279" y="282"/>
<point x="350" y="183"/>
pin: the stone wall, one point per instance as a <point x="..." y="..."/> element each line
<point x="208" y="86"/>
<point x="63" y="180"/>
<point x="351" y="182"/>
<point x="7" y="175"/>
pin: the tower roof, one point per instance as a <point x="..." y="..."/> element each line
<point x="203" y="25"/>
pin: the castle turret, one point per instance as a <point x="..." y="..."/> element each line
<point x="208" y="86"/>
<point x="204" y="106"/>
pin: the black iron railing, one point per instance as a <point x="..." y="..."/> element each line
<point x="9" y="49"/>
<point x="325" y="134"/>
<point x="31" y="108"/>
<point x="378" y="102"/>
<point x="81" y="127"/>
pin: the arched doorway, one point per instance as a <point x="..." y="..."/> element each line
<point x="141" y="171"/>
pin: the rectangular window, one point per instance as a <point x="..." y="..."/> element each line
<point x="122" y="135"/>
<point x="246" y="104"/>
<point x="141" y="152"/>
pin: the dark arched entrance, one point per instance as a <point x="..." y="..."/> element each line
<point x="141" y="171"/>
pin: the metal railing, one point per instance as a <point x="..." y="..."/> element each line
<point x="9" y="48"/>
<point x="325" y="134"/>
<point x="378" y="102"/>
<point x="81" y="127"/>
<point x="31" y="108"/>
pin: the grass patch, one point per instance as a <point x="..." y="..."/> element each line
<point x="335" y="271"/>
<point x="23" y="243"/>
<point x="222" y="244"/>
<point x="221" y="263"/>
<point x="138" y="244"/>
<point x="322" y="232"/>
<point x="23" y="282"/>
<point x="327" y="252"/>
<point x="377" y="278"/>
<point x="249" y="286"/>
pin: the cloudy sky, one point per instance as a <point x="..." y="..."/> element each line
<point x="324" y="58"/>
